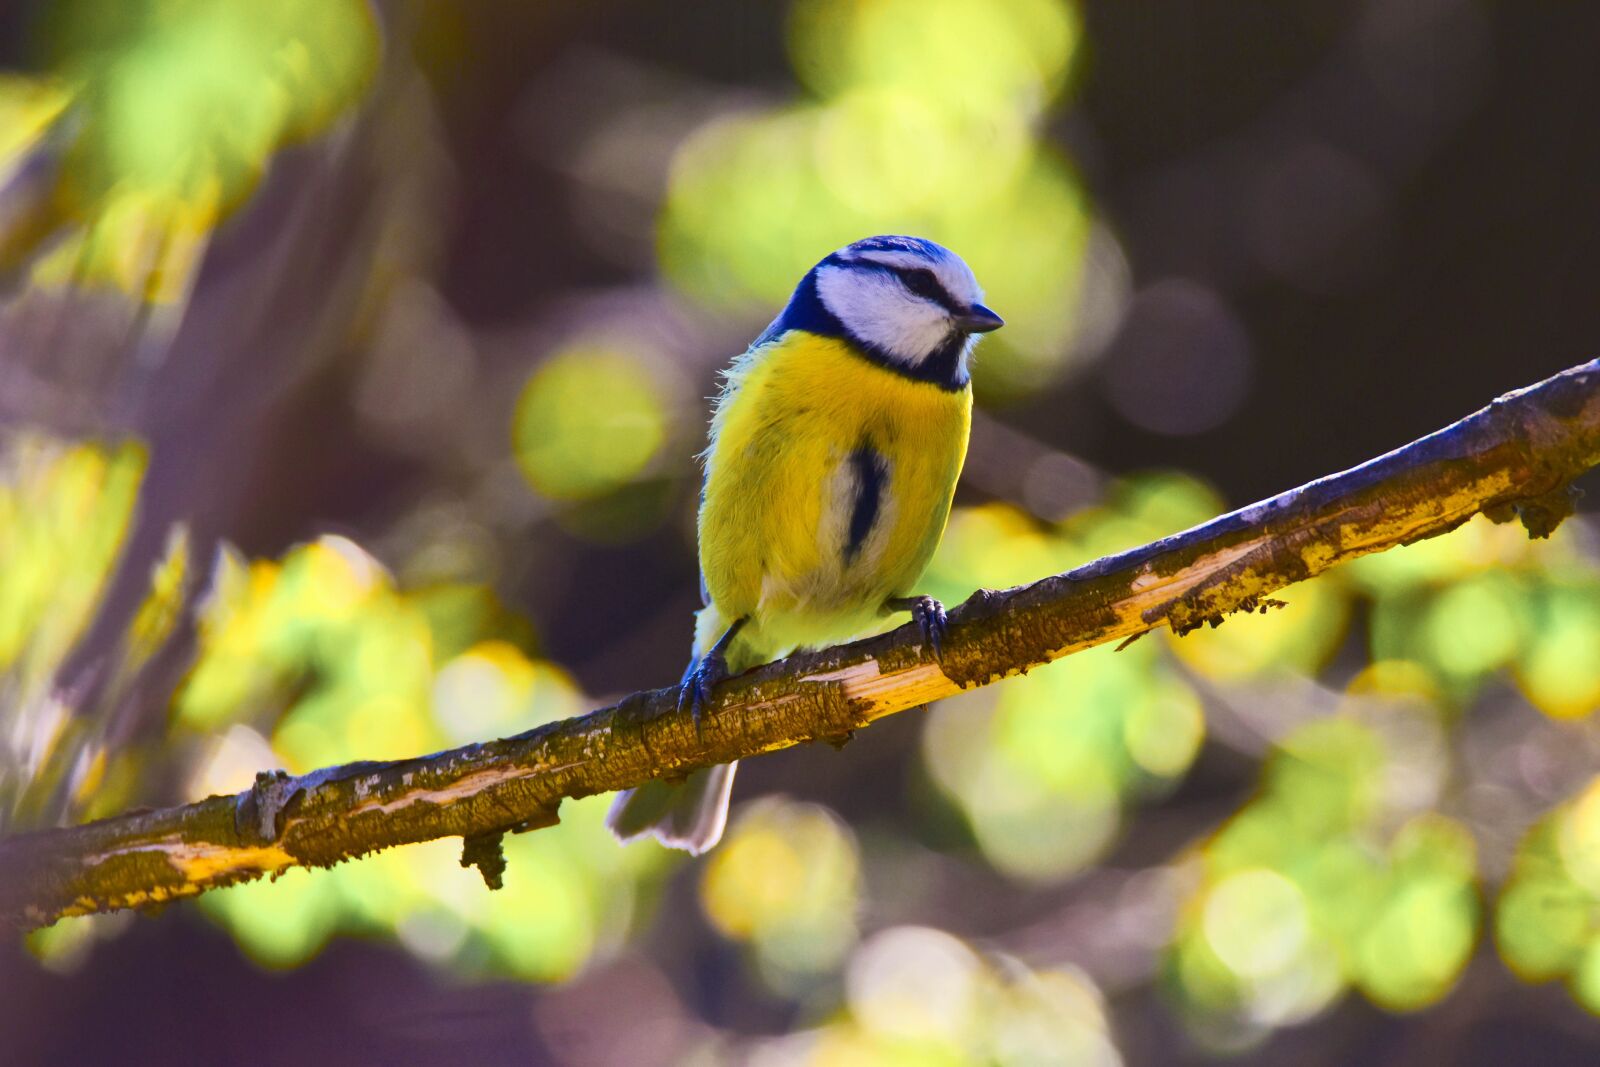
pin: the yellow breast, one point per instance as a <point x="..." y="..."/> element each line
<point x="828" y="484"/>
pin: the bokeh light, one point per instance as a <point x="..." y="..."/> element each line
<point x="1546" y="919"/>
<point x="1484" y="599"/>
<point x="1335" y="876"/>
<point x="328" y="613"/>
<point x="589" y="420"/>
<point x="787" y="883"/>
<point x="1042" y="771"/>
<point x="919" y="995"/>
<point x="1181" y="363"/>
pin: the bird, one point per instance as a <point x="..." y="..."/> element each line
<point x="834" y="450"/>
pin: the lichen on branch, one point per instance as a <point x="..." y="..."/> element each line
<point x="1515" y="458"/>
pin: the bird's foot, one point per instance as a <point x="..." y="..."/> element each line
<point x="930" y="617"/>
<point x="695" y="691"/>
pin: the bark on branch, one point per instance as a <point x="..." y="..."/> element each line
<point x="1515" y="458"/>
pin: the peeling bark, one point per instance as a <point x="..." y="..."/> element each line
<point x="1515" y="458"/>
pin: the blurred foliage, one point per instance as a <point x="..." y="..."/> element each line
<point x="1487" y="599"/>
<point x="64" y="515"/>
<point x="64" y="511"/>
<point x="570" y="895"/>
<point x="317" y="659"/>
<point x="1548" y="919"/>
<point x="1042" y="777"/>
<point x="323" y="654"/>
<point x="1331" y="877"/>
<point x="324" y="650"/>
<point x="164" y="114"/>
<point x="323" y="632"/>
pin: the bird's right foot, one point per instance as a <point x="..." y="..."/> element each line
<point x="930" y="618"/>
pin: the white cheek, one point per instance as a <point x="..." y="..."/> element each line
<point x="914" y="335"/>
<point x="880" y="312"/>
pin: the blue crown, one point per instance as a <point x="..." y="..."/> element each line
<point x="893" y="243"/>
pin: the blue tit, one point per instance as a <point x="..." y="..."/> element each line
<point x="834" y="452"/>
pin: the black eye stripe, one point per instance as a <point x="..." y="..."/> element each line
<point x="925" y="284"/>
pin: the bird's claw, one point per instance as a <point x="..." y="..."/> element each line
<point x="931" y="619"/>
<point x="695" y="691"/>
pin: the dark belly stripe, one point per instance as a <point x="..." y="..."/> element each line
<point x="871" y="471"/>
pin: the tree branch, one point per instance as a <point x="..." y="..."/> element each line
<point x="1515" y="458"/>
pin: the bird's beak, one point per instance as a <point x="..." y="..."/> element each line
<point x="978" y="319"/>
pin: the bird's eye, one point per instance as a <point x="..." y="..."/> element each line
<point x="923" y="283"/>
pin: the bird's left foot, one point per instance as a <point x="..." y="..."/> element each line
<point x="694" y="692"/>
<point x="930" y="617"/>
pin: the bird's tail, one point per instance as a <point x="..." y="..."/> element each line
<point x="689" y="815"/>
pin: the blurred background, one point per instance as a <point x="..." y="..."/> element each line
<point x="353" y="360"/>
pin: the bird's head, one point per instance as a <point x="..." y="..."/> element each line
<point x="906" y="302"/>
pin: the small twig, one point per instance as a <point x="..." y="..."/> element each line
<point x="485" y="853"/>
